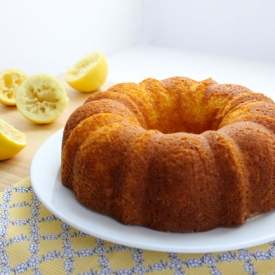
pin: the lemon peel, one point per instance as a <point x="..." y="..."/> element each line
<point x="89" y="73"/>
<point x="10" y="79"/>
<point x="41" y="98"/>
<point x="12" y="141"/>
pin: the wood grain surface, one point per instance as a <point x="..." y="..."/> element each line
<point x="18" y="167"/>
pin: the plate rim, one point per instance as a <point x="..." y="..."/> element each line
<point x="150" y="239"/>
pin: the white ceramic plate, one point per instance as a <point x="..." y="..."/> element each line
<point x="45" y="179"/>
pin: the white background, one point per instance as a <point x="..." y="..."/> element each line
<point x="232" y="40"/>
<point x="240" y="28"/>
<point x="48" y="36"/>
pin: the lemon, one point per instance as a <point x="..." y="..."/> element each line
<point x="41" y="98"/>
<point x="89" y="73"/>
<point x="10" y="79"/>
<point x="12" y="141"/>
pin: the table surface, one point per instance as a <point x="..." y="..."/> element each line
<point x="17" y="168"/>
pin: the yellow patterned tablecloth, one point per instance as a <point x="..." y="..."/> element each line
<point x="34" y="241"/>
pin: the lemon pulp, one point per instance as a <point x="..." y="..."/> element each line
<point x="41" y="98"/>
<point x="10" y="79"/>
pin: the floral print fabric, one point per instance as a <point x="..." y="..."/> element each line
<point x="34" y="241"/>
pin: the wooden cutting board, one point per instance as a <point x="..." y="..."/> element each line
<point x="18" y="168"/>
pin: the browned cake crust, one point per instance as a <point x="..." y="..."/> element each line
<point x="173" y="155"/>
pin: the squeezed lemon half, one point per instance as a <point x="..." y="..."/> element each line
<point x="41" y="98"/>
<point x="89" y="73"/>
<point x="10" y="79"/>
<point x="12" y="141"/>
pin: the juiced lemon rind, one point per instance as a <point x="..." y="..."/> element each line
<point x="41" y="98"/>
<point x="89" y="73"/>
<point x="10" y="79"/>
<point x="12" y="140"/>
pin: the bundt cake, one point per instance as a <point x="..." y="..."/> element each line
<point x="173" y="155"/>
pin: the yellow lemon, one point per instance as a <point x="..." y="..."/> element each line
<point x="10" y="79"/>
<point x="41" y="98"/>
<point x="12" y="141"/>
<point x="89" y="73"/>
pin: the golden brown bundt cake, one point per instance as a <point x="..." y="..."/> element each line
<point x="173" y="155"/>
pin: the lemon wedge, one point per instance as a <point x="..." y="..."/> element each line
<point x="12" y="141"/>
<point x="41" y="98"/>
<point x="10" y="79"/>
<point x="89" y="73"/>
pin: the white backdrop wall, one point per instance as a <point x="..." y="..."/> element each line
<point x="240" y="28"/>
<point x="48" y="36"/>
